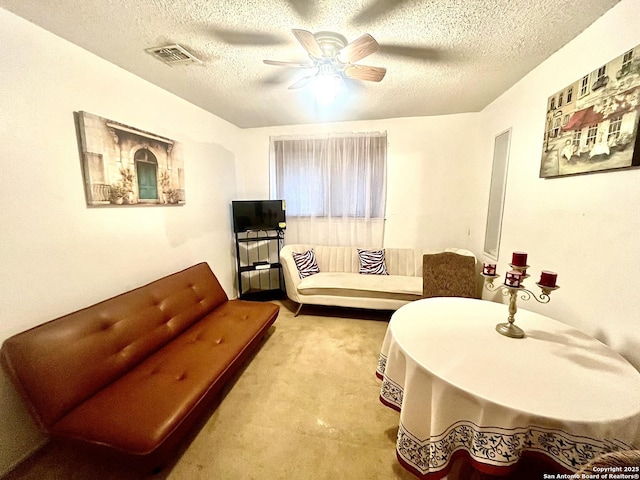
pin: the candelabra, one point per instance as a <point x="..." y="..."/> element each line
<point x="513" y="287"/>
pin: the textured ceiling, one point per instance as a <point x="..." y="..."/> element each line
<point x="465" y="52"/>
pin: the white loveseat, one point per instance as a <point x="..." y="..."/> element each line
<point x="339" y="282"/>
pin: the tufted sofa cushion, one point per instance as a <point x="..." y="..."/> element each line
<point x="128" y="372"/>
<point x="63" y="362"/>
<point x="164" y="388"/>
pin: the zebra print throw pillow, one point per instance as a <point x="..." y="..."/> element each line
<point x="306" y="263"/>
<point x="372" y="262"/>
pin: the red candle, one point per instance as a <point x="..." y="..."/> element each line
<point x="513" y="279"/>
<point x="548" y="279"/>
<point x="489" y="268"/>
<point x="519" y="259"/>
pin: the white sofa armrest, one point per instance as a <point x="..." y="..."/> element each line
<point x="290" y="271"/>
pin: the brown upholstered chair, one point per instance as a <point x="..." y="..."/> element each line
<point x="449" y="274"/>
<point x="622" y="458"/>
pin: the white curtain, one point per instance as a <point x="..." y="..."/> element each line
<point x="334" y="186"/>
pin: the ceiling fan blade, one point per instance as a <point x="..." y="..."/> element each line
<point x="308" y="42"/>
<point x="361" y="47"/>
<point x="304" y="8"/>
<point x="278" y="63"/>
<point x="365" y="72"/>
<point x="376" y="10"/>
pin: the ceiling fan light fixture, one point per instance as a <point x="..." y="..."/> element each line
<point x="326" y="88"/>
<point x="334" y="60"/>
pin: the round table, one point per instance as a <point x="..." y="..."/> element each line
<point x="462" y="388"/>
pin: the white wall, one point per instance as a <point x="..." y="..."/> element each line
<point x="584" y="227"/>
<point x="431" y="163"/>
<point x="57" y="254"/>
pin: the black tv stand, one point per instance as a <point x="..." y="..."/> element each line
<point x="259" y="267"/>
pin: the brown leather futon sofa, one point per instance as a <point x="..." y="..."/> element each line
<point x="133" y="373"/>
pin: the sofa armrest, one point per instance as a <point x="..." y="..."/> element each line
<point x="290" y="272"/>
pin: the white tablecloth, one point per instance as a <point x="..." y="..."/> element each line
<point x="462" y="388"/>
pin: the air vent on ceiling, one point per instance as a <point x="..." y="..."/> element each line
<point x="173" y="55"/>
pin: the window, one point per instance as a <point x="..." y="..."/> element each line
<point x="331" y="176"/>
<point x="565" y="120"/>
<point x="576" y="139"/>
<point x="584" y="85"/>
<point x="553" y="104"/>
<point x="614" y="128"/>
<point x="601" y="78"/>
<point x="569" y="94"/>
<point x="560" y="99"/>
<point x="626" y="62"/>
<point x="591" y="134"/>
<point x="333" y="183"/>
<point x="556" y="126"/>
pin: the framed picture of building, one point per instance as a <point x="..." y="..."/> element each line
<point x="592" y="124"/>
<point x="123" y="165"/>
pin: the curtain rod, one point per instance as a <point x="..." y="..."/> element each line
<point x="319" y="136"/>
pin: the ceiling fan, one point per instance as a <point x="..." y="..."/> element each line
<point x="333" y="57"/>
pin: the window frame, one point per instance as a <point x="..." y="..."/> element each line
<point x="584" y="86"/>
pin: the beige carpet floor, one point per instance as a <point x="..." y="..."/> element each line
<point x="305" y="407"/>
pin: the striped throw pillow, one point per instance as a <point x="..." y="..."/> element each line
<point x="372" y="262"/>
<point x="306" y="263"/>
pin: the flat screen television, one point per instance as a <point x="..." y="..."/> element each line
<point x="258" y="215"/>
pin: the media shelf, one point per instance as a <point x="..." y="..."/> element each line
<point x="258" y="262"/>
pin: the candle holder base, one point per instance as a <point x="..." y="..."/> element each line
<point x="509" y="330"/>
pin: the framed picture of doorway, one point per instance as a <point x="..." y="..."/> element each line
<point x="124" y="165"/>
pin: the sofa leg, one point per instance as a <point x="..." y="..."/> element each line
<point x="298" y="310"/>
